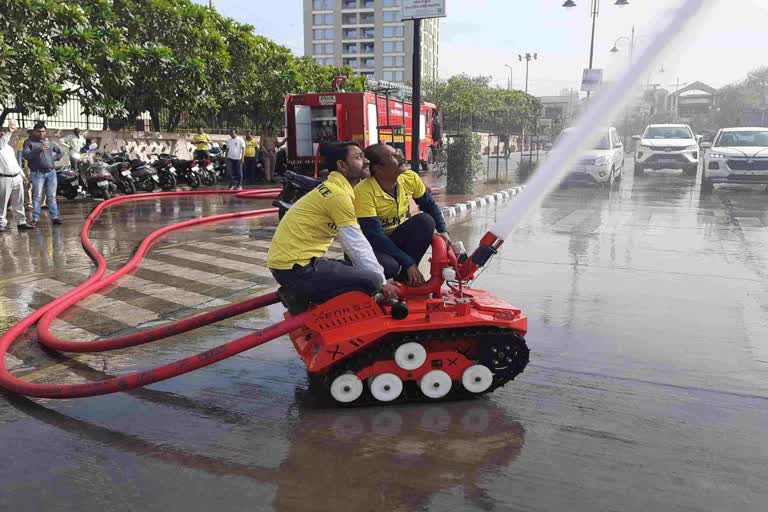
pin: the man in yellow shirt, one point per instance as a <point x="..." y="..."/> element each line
<point x="296" y="255"/>
<point x="250" y="160"/>
<point x="382" y="207"/>
<point x="201" y="140"/>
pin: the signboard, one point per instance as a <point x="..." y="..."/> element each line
<point x="327" y="100"/>
<point x="591" y="80"/>
<point x="416" y="9"/>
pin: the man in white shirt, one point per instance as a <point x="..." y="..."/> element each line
<point x="74" y="142"/>
<point x="11" y="183"/>
<point x="235" y="152"/>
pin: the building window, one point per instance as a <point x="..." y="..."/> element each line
<point x="350" y="33"/>
<point x="368" y="4"/>
<point x="393" y="46"/>
<point x="368" y="48"/>
<point x="322" y="33"/>
<point x="393" y="61"/>
<point x="350" y="48"/>
<point x="393" y="31"/>
<point x="367" y="74"/>
<point x="398" y="76"/>
<point x="350" y="61"/>
<point x="349" y="19"/>
<point x="392" y="16"/>
<point x="323" y="19"/>
<point x="350" y="4"/>
<point x="319" y="5"/>
<point x="367" y="18"/>
<point x="368" y="33"/>
<point x="391" y="3"/>
<point x="322" y="49"/>
<point x="368" y="62"/>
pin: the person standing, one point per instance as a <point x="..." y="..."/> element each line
<point x="269" y="145"/>
<point x="235" y="150"/>
<point x="11" y="183"/>
<point x="201" y="140"/>
<point x="42" y="157"/>
<point x="250" y="161"/>
<point x="75" y="142"/>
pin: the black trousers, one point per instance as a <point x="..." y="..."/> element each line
<point x="324" y="279"/>
<point x="235" y="172"/>
<point x="414" y="236"/>
<point x="249" y="170"/>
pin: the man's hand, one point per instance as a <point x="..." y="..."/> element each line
<point x="390" y="291"/>
<point x="445" y="236"/>
<point x="414" y="276"/>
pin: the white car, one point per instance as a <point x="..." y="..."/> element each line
<point x="737" y="155"/>
<point x="603" y="164"/>
<point x="667" y="146"/>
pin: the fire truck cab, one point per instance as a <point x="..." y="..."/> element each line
<point x="382" y="114"/>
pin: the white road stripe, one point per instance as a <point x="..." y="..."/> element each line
<point x="99" y="304"/>
<point x="60" y="328"/>
<point x="167" y="292"/>
<point x="200" y="276"/>
<point x="334" y="251"/>
<point x="235" y="266"/>
<point x="571" y="220"/>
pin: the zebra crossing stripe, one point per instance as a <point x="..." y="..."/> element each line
<point x="233" y="265"/>
<point x="201" y="276"/>
<point x="59" y="327"/>
<point x="110" y="308"/>
<point x="334" y="251"/>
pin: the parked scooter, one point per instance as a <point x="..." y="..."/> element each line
<point x="144" y="176"/>
<point x="189" y="171"/>
<point x="166" y="171"/>
<point x="98" y="178"/>
<point x="295" y="186"/>
<point x="68" y="182"/>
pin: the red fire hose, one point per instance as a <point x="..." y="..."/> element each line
<point x="97" y="281"/>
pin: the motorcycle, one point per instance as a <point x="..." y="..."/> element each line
<point x="98" y="178"/>
<point x="295" y="186"/>
<point x="68" y="185"/>
<point x="166" y="171"/>
<point x="144" y="176"/>
<point x="190" y="171"/>
<point x="122" y="177"/>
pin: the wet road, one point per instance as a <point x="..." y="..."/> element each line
<point x="647" y="386"/>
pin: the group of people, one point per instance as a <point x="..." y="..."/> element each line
<point x="365" y="202"/>
<point x="39" y="156"/>
<point x="243" y="156"/>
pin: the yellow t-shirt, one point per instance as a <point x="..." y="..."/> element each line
<point x="310" y="226"/>
<point x="372" y="201"/>
<point x="250" y="148"/>
<point x="201" y="140"/>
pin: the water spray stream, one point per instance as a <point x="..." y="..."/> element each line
<point x="603" y="109"/>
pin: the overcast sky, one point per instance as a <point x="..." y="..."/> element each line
<point x="480" y="36"/>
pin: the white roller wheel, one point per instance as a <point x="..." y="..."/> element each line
<point x="346" y="388"/>
<point x="410" y="356"/>
<point x="386" y="387"/>
<point x="435" y="384"/>
<point x="477" y="378"/>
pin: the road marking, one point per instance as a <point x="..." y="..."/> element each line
<point x="573" y="219"/>
<point x="60" y="328"/>
<point x="200" y="276"/>
<point x="166" y="292"/>
<point x="335" y="251"/>
<point x="110" y="308"/>
<point x="235" y="266"/>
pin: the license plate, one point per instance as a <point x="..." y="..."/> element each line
<point x="195" y="169"/>
<point x="126" y="173"/>
<point x="210" y="167"/>
<point x="172" y="170"/>
<point x="102" y="183"/>
<point x="663" y="161"/>
<point x="154" y="177"/>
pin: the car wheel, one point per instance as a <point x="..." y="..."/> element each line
<point x="707" y="187"/>
<point x="639" y="170"/>
<point x="691" y="170"/>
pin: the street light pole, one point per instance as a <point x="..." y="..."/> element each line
<point x="511" y="85"/>
<point x="416" y="102"/>
<point x="527" y="57"/>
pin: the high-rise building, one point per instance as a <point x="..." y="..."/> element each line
<point x="370" y="37"/>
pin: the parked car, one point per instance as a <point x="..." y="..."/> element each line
<point x="667" y="146"/>
<point x="738" y="156"/>
<point x="602" y="164"/>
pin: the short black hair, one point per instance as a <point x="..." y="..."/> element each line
<point x="332" y="152"/>
<point x="373" y="154"/>
<point x="39" y="126"/>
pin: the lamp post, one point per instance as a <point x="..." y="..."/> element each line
<point x="527" y="58"/>
<point x="511" y="85"/>
<point x="594" y="11"/>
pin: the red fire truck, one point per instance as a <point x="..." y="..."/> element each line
<point x="382" y="114"/>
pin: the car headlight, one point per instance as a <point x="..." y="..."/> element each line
<point x="601" y="160"/>
<point x="716" y="156"/>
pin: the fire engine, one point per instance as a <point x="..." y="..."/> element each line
<point x="381" y="114"/>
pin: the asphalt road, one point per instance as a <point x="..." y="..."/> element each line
<point x="647" y="387"/>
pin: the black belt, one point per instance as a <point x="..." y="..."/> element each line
<point x="43" y="170"/>
<point x="8" y="175"/>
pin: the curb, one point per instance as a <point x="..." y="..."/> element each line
<point x="479" y="202"/>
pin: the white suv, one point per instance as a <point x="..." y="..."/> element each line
<point x="667" y="146"/>
<point x="602" y="164"/>
<point x="738" y="155"/>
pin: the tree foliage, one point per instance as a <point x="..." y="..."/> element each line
<point x="171" y="58"/>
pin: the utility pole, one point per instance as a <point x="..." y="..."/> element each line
<point x="416" y="105"/>
<point x="527" y="57"/>
<point x="510" y="76"/>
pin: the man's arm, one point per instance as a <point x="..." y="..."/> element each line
<point x="30" y="150"/>
<point x="371" y="227"/>
<point x="427" y="204"/>
<point x="359" y="251"/>
<point x="57" y="150"/>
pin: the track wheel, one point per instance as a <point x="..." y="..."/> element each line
<point x="477" y="378"/>
<point x="386" y="387"/>
<point x="346" y="388"/>
<point x="410" y="356"/>
<point x="435" y="384"/>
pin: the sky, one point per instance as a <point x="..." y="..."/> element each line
<point x="480" y="36"/>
